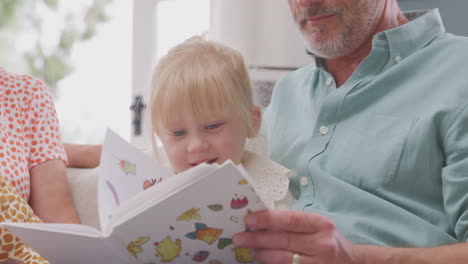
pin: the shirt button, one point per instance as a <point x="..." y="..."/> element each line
<point x="323" y="130"/>
<point x="329" y="81"/>
<point x="304" y="181"/>
<point x="397" y="59"/>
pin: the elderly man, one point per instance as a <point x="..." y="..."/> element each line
<point x="377" y="134"/>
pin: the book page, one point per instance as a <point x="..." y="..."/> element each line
<point x="250" y="180"/>
<point x="124" y="172"/>
<point x="75" y="229"/>
<point x="70" y="243"/>
<point x="151" y="196"/>
<point x="194" y="223"/>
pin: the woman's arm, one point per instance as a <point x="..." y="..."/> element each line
<point x="83" y="156"/>
<point x="50" y="196"/>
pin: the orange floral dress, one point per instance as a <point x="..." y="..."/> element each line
<point x="29" y="129"/>
<point x="29" y="135"/>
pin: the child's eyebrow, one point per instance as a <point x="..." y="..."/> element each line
<point x="173" y="127"/>
<point x="218" y="120"/>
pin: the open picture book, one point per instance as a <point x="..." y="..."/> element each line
<point x="150" y="215"/>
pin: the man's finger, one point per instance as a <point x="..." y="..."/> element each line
<point x="275" y="256"/>
<point x="303" y="243"/>
<point x="288" y="220"/>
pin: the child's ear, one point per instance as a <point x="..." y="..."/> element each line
<point x="256" y="121"/>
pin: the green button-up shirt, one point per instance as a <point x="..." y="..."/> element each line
<point x="386" y="154"/>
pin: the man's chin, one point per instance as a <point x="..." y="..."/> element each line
<point x="324" y="51"/>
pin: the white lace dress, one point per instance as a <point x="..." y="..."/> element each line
<point x="271" y="178"/>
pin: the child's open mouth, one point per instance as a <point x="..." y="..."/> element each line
<point x="210" y="161"/>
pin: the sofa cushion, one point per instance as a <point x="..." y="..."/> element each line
<point x="83" y="184"/>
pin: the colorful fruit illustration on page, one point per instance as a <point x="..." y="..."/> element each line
<point x="189" y="215"/>
<point x="243" y="181"/>
<point x="204" y="233"/>
<point x="168" y="250"/>
<point x="127" y="167"/>
<point x="113" y="191"/>
<point x="201" y="256"/>
<point x="151" y="182"/>
<point x="134" y="247"/>
<point x="215" y="207"/>
<point x="239" y="203"/>
<point x="243" y="255"/>
<point x="224" y="242"/>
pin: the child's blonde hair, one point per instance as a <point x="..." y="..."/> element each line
<point x="208" y="76"/>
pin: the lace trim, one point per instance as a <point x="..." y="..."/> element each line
<point x="271" y="179"/>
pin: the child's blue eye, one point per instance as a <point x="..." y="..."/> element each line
<point x="179" y="133"/>
<point x="214" y="126"/>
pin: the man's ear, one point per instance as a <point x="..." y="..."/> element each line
<point x="256" y="117"/>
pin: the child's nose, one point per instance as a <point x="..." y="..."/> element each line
<point x="197" y="144"/>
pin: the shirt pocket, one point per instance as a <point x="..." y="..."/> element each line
<point x="366" y="151"/>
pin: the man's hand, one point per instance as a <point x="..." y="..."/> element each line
<point x="278" y="235"/>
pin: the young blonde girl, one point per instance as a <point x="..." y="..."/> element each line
<point x="202" y="110"/>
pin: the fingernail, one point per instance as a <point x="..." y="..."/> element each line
<point x="238" y="240"/>
<point x="251" y="220"/>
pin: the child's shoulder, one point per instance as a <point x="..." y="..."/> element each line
<point x="259" y="164"/>
<point x="271" y="178"/>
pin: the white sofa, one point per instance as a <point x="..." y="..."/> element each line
<point x="83" y="184"/>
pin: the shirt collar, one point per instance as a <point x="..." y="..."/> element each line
<point x="424" y="26"/>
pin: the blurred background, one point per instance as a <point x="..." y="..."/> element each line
<point x="97" y="56"/>
<point x="83" y="50"/>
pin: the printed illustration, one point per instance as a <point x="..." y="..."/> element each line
<point x="201" y="256"/>
<point x="239" y="203"/>
<point x="204" y="233"/>
<point x="168" y="250"/>
<point x="113" y="191"/>
<point x="243" y="181"/>
<point x="224" y="242"/>
<point x="214" y="262"/>
<point x="215" y="207"/>
<point x="189" y="215"/>
<point x="243" y="255"/>
<point x="134" y="247"/>
<point x="127" y="167"/>
<point x="149" y="183"/>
